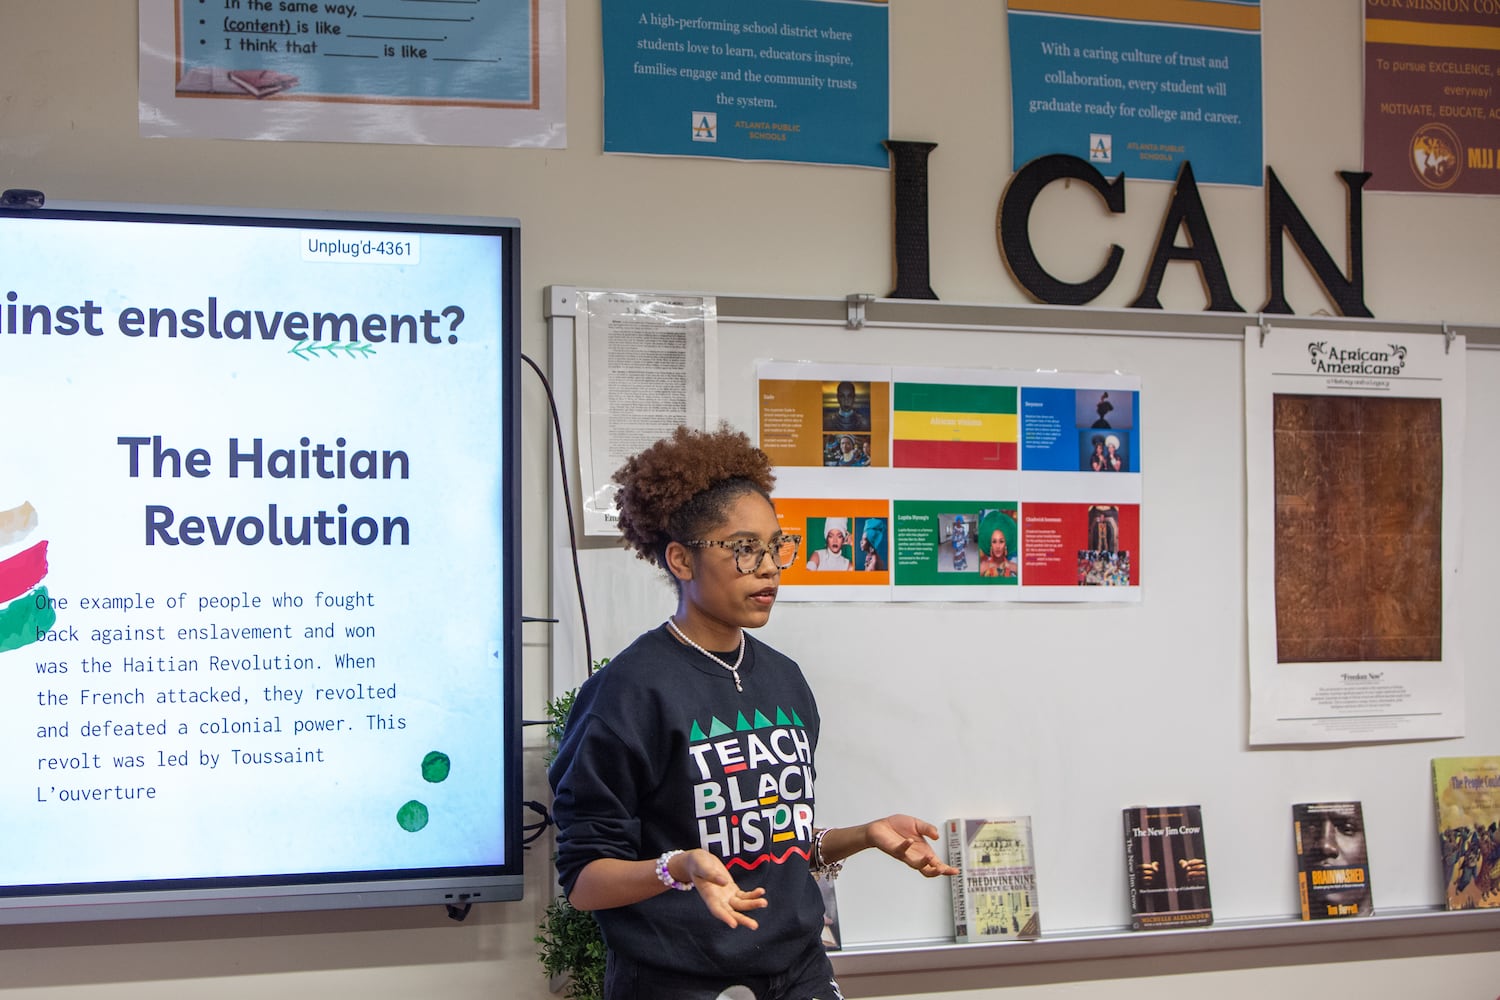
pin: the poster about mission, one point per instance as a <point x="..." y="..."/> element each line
<point x="249" y="550"/>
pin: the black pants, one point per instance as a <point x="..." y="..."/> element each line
<point x="811" y="978"/>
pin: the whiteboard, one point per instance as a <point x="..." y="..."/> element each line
<point x="1070" y="713"/>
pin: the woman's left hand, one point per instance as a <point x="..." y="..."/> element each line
<point x="905" y="838"/>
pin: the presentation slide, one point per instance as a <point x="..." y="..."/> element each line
<point x="250" y="550"/>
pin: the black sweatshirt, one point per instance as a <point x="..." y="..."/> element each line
<point x="662" y="753"/>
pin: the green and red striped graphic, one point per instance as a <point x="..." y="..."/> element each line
<point x="954" y="426"/>
<point x="25" y="610"/>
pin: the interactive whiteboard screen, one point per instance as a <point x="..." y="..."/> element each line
<point x="258" y="586"/>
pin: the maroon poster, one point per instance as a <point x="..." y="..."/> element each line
<point x="1432" y="115"/>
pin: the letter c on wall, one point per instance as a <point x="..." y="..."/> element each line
<point x="1013" y="223"/>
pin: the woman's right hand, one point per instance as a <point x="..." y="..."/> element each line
<point x="724" y="899"/>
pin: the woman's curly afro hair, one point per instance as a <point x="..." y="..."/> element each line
<point x="682" y="486"/>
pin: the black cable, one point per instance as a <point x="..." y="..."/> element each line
<point x="532" y="832"/>
<point x="562" y="463"/>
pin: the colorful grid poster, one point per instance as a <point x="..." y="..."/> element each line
<point x="805" y="81"/>
<point x="1432" y="117"/>
<point x="1140" y="87"/>
<point x="955" y="484"/>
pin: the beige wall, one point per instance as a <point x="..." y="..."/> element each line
<point x="68" y="126"/>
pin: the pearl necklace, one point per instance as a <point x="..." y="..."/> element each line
<point x="735" y="669"/>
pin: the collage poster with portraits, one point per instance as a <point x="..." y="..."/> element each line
<point x="955" y="484"/>
<point x="1353" y="482"/>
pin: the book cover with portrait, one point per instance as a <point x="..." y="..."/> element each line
<point x="994" y="892"/>
<point x="1166" y="867"/>
<point x="1333" y="860"/>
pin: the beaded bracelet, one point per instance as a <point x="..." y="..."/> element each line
<point x="823" y="869"/>
<point x="665" y="874"/>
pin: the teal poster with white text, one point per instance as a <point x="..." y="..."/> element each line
<point x="804" y="81"/>
<point x="1141" y="90"/>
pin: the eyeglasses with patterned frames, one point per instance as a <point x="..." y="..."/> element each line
<point x="748" y="552"/>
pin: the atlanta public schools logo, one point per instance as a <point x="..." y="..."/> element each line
<point x="1101" y="147"/>
<point x="1355" y="360"/>
<point x="1436" y="155"/>
<point x="705" y="126"/>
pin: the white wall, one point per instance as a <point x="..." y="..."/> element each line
<point x="68" y="126"/>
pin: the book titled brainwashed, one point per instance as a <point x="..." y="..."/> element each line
<point x="1166" y="867"/>
<point x="994" y="892"/>
<point x="1467" y="790"/>
<point x="1333" y="860"/>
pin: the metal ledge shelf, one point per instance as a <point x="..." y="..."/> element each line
<point x="939" y="955"/>
<point x="917" y="314"/>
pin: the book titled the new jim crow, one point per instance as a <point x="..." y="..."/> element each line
<point x="1166" y="867"/>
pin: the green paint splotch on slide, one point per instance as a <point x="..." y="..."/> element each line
<point x="435" y="766"/>
<point x="25" y="618"/>
<point x="412" y="816"/>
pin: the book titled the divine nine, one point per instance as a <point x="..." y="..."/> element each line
<point x="994" y="892"/>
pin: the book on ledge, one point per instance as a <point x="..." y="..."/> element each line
<point x="1467" y="791"/>
<point x="833" y="937"/>
<point x="1333" y="860"/>
<point x="1166" y="867"/>
<point x="994" y="892"/>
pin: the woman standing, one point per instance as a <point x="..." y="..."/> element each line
<point x="684" y="783"/>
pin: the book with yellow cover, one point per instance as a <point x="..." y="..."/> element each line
<point x="994" y="892"/>
<point x="1467" y="790"/>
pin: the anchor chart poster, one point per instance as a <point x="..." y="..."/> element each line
<point x="441" y="72"/>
